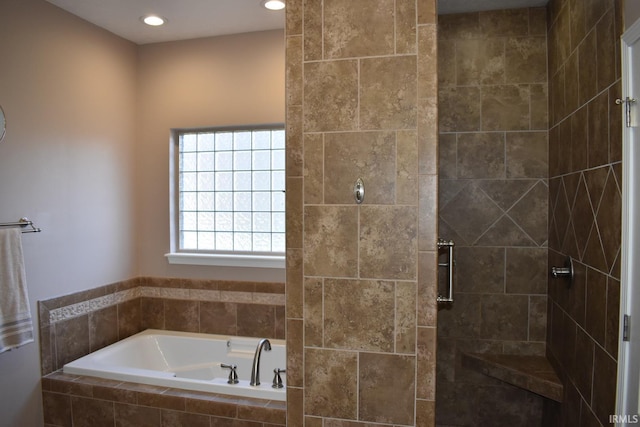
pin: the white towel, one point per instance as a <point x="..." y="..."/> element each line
<point x="16" y="327"/>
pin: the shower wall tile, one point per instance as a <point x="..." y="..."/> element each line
<point x="359" y="315"/>
<point x="369" y="271"/>
<point x="330" y="96"/>
<point x="494" y="163"/>
<point x="294" y="287"/>
<point x="374" y="381"/>
<point x="294" y="140"/>
<point x="481" y="155"/>
<point x="427" y="137"/>
<point x="331" y="242"/>
<point x="331" y="379"/>
<point x="480" y="270"/>
<point x="312" y="42"/>
<point x="504" y="317"/>
<point x="505" y="107"/>
<point x="427" y="12"/>
<point x="427" y="61"/>
<point x="295" y="353"/>
<point x="293" y="204"/>
<point x="405" y="26"/>
<point x="314" y="168"/>
<point x="480" y="61"/>
<point x="387" y="95"/>
<point x="347" y="28"/>
<point x="405" y="317"/>
<point x="526" y="271"/>
<point x="447" y="156"/>
<point x="427" y="294"/>
<point x="526" y="59"/>
<point x="583" y="319"/>
<point x="367" y="155"/>
<point x="527" y="155"/>
<point x="428" y="209"/>
<point x="294" y="69"/>
<point x="500" y="23"/>
<point x="407" y="164"/>
<point x="293" y="16"/>
<point x="426" y="362"/>
<point x="313" y="312"/>
<point x="466" y="116"/>
<point x="388" y="242"/>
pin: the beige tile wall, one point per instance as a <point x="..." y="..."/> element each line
<point x="361" y="102"/>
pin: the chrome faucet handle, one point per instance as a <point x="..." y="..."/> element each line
<point x="277" y="379"/>
<point x="233" y="374"/>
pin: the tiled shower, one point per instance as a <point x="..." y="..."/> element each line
<point x="517" y="207"/>
<point x="493" y="204"/>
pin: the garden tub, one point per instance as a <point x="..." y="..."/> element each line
<point x="189" y="361"/>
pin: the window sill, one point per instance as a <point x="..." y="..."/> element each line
<point x="251" y="261"/>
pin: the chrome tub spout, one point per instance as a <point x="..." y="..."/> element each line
<point x="255" y="368"/>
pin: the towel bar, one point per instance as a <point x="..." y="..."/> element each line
<point x="23" y="222"/>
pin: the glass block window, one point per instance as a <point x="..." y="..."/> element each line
<point x="231" y="191"/>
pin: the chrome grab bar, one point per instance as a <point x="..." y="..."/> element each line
<point x="449" y="245"/>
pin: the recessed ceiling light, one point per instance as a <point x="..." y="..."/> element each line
<point x="153" y="20"/>
<point x="273" y="4"/>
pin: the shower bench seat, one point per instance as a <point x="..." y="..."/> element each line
<point x="532" y="373"/>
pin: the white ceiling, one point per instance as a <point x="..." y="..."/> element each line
<point x="190" y="19"/>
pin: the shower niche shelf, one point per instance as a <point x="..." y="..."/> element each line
<point x="532" y="373"/>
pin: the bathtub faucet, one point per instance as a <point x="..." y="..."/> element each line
<point x="255" y="369"/>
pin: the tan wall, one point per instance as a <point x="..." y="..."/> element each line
<point x="220" y="81"/>
<point x="68" y="90"/>
<point x="361" y="102"/>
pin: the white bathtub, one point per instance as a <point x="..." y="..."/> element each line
<point x="188" y="361"/>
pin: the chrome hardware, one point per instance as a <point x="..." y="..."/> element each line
<point x="449" y="245"/>
<point x="277" y="379"/>
<point x="627" y="107"/>
<point x="233" y="374"/>
<point x="358" y="191"/>
<point x="22" y="223"/>
<point x="564" y="272"/>
<point x="255" y="368"/>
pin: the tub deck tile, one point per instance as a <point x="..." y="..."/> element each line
<point x="198" y="404"/>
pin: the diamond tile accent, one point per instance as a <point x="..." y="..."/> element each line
<point x="470" y="213"/>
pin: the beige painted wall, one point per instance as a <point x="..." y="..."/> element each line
<point x="68" y="90"/>
<point x="220" y="81"/>
<point x="631" y="12"/>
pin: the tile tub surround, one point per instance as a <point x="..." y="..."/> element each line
<point x="493" y="204"/>
<point x="74" y="325"/>
<point x="86" y="401"/>
<point x="361" y="102"/>
<point x="585" y="205"/>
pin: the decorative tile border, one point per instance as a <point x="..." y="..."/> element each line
<point x="84" y="307"/>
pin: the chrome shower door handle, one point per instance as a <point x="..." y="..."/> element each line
<point x="449" y="245"/>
